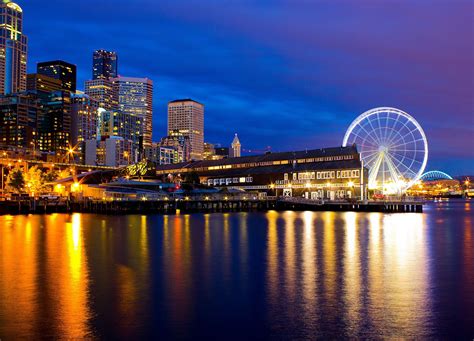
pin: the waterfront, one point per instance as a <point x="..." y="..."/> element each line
<point x="239" y="275"/>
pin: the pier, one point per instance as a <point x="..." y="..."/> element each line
<point x="201" y="205"/>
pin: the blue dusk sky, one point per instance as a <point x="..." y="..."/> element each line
<point x="289" y="74"/>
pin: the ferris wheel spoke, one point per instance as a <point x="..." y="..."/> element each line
<point x="386" y="125"/>
<point x="389" y="138"/>
<point x="409" y="172"/>
<point x="408" y="150"/>
<point x="407" y="134"/>
<point x="405" y="156"/>
<point x="364" y="139"/>
<point x="404" y="144"/>
<point x="371" y="159"/>
<point x="380" y="128"/>
<point x="404" y="124"/>
<point x="400" y="163"/>
<point x="399" y="159"/>
<point x="373" y="130"/>
<point x="368" y="153"/>
<point x="369" y="149"/>
<point x="370" y="135"/>
<point x="393" y="135"/>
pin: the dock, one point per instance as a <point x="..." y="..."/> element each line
<point x="202" y="205"/>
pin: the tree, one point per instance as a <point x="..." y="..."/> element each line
<point x="34" y="180"/>
<point x="50" y="176"/>
<point x="15" y="180"/>
<point x="65" y="173"/>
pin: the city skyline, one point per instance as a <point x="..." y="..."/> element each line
<point x="311" y="82"/>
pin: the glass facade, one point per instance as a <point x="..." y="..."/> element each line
<point x="13" y="49"/>
<point x="61" y="70"/>
<point x="135" y="98"/>
<point x="104" y="64"/>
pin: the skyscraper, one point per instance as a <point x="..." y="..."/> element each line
<point x="83" y="122"/>
<point x="103" y="91"/>
<point x="61" y="70"/>
<point x="135" y="97"/>
<point x="104" y="64"/>
<point x="18" y="117"/>
<point x="13" y="48"/>
<point x="187" y="117"/>
<point x="54" y="122"/>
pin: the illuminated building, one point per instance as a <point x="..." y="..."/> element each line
<point x="187" y="117"/>
<point x="329" y="174"/>
<point x="54" y="122"/>
<point x="104" y="92"/>
<point x="211" y="152"/>
<point x="180" y="142"/>
<point x="37" y="82"/>
<point x="104" y="64"/>
<point x="135" y="98"/>
<point x="236" y="146"/>
<point x="84" y="120"/>
<point x="162" y="155"/>
<point x="111" y="151"/>
<point x="60" y="70"/>
<point x="18" y="120"/>
<point x="118" y="124"/>
<point x="13" y="49"/>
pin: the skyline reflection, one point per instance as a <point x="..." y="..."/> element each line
<point x="300" y="274"/>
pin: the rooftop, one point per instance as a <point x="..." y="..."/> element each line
<point x="184" y="100"/>
<point x="269" y="157"/>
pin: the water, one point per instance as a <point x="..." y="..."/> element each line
<point x="239" y="275"/>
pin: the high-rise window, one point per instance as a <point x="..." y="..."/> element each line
<point x="104" y="64"/>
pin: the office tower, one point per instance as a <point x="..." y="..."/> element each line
<point x="236" y="146"/>
<point x="18" y="120"/>
<point x="37" y="82"/>
<point x="135" y="97"/>
<point x="187" y="117"/>
<point x="103" y="91"/>
<point x="13" y="49"/>
<point x="54" y="122"/>
<point x="104" y="64"/>
<point x="61" y="70"/>
<point x="84" y="118"/>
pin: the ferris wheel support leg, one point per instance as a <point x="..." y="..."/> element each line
<point x="394" y="173"/>
<point x="374" y="171"/>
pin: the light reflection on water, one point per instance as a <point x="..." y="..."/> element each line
<point x="253" y="275"/>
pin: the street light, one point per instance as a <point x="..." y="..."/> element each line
<point x="70" y="154"/>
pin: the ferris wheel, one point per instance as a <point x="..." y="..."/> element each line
<point x="393" y="147"/>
